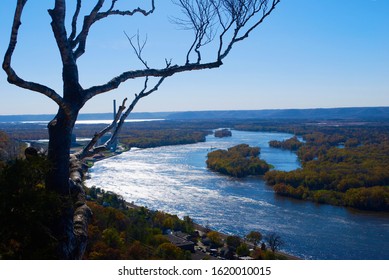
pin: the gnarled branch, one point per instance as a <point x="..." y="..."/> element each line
<point x="58" y="25"/>
<point x="138" y="49"/>
<point x="79" y="43"/>
<point x="248" y="14"/>
<point x="200" y="18"/>
<point x="143" y="93"/>
<point x="12" y="77"/>
<point x="74" y="21"/>
<point x="90" y="149"/>
<point x="165" y="72"/>
<point x="236" y="20"/>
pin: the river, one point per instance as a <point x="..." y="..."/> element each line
<point x="175" y="179"/>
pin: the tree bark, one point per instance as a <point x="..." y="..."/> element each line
<point x="60" y="131"/>
<point x="65" y="178"/>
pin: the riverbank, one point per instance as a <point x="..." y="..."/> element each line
<point x="224" y="237"/>
<point x="197" y="238"/>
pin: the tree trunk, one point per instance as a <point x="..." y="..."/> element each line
<point x="60" y="132"/>
<point x="65" y="178"/>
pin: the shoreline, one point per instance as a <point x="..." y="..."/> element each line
<point x="224" y="236"/>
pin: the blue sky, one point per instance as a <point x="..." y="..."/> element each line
<point x="308" y="54"/>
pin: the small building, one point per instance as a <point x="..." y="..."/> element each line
<point x="179" y="239"/>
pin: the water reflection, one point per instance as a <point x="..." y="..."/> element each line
<point x="175" y="179"/>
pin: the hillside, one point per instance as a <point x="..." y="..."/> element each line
<point x="356" y="113"/>
<point x="363" y="113"/>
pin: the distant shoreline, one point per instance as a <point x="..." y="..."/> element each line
<point x="342" y="113"/>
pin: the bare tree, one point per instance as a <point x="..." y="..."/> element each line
<point x="275" y="241"/>
<point x="222" y="22"/>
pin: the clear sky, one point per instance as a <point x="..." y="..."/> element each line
<point x="308" y="54"/>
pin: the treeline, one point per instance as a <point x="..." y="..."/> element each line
<point x="141" y="135"/>
<point x="156" y="138"/>
<point x="346" y="166"/>
<point x="238" y="161"/>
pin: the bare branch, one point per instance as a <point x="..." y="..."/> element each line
<point x="89" y="149"/>
<point x="13" y="78"/>
<point x="117" y="123"/>
<point x="80" y="40"/>
<point x="200" y="18"/>
<point x="138" y="10"/>
<point x="129" y="75"/>
<point x="74" y="21"/>
<point x="236" y="19"/>
<point x="139" y="48"/>
<point x="244" y="20"/>
<point x="58" y="25"/>
<point x="112" y="5"/>
<point x="266" y="13"/>
<point x="143" y="93"/>
<point x="79" y="43"/>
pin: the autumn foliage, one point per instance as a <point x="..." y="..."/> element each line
<point x="238" y="161"/>
<point x="349" y="167"/>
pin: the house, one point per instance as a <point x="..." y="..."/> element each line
<point x="179" y="239"/>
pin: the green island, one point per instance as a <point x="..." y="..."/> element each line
<point x="238" y="161"/>
<point x="292" y="144"/>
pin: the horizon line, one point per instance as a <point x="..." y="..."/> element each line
<point x="209" y="110"/>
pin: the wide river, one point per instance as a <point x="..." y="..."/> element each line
<point x="175" y="179"/>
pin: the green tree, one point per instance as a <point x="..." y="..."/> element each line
<point x="168" y="251"/>
<point x="233" y="241"/>
<point x="254" y="237"/>
<point x="243" y="250"/>
<point x="112" y="238"/>
<point x="215" y="238"/>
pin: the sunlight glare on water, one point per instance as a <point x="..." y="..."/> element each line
<point x="175" y="179"/>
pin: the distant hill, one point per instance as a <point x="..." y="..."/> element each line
<point x="354" y="113"/>
<point x="363" y="113"/>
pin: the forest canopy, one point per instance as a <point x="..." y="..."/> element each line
<point x="346" y="166"/>
<point x="238" y="161"/>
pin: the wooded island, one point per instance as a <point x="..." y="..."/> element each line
<point x="238" y="161"/>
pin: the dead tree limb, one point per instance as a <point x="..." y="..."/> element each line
<point x="90" y="149"/>
<point x="13" y="78"/>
